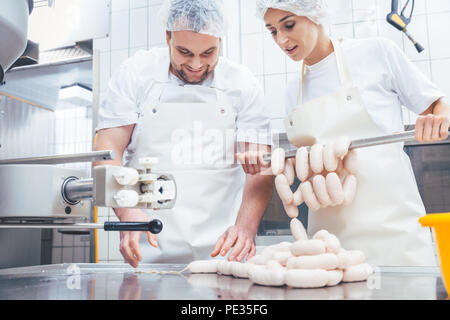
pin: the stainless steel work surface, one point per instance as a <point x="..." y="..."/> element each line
<point x="120" y="281"/>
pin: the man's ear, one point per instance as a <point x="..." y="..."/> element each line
<point x="168" y="36"/>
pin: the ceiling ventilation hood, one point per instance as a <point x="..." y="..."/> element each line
<point x="13" y="31"/>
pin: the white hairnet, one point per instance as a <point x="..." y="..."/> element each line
<point x="314" y="10"/>
<point x="202" y="16"/>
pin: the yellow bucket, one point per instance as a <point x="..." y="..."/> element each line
<point x="441" y="224"/>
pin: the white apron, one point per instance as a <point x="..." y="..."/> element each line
<point x="382" y="221"/>
<point x="189" y="141"/>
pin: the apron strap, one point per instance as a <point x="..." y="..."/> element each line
<point x="153" y="94"/>
<point x="343" y="71"/>
<point x="221" y="97"/>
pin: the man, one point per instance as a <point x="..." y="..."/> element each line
<point x="180" y="104"/>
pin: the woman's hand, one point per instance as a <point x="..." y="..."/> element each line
<point x="433" y="124"/>
<point x="432" y="127"/>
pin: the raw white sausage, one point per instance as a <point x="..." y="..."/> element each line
<point x="321" y="234"/>
<point x="308" y="196"/>
<point x="359" y="272"/>
<point x="284" y="246"/>
<point x="349" y="258"/>
<point x="289" y="171"/>
<point x="298" y="230"/>
<point x="291" y="210"/>
<point x="263" y="276"/>
<point x="320" y="190"/>
<point x="268" y="251"/>
<point x="298" y="198"/>
<point x="334" y="188"/>
<point x="334" y="277"/>
<point x="238" y="269"/>
<point x="203" y="266"/>
<point x="332" y="243"/>
<point x="351" y="162"/>
<point x="277" y="161"/>
<point x="282" y="257"/>
<point x="349" y="189"/>
<point x="316" y="158"/>
<point x="330" y="160"/>
<point x="274" y="265"/>
<point x="341" y="146"/>
<point x="302" y="164"/>
<point x="257" y="259"/>
<point x="283" y="189"/>
<point x="327" y="261"/>
<point x="298" y="278"/>
<point x="223" y="267"/>
<point x="308" y="247"/>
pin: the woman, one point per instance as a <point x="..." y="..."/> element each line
<point x="356" y="88"/>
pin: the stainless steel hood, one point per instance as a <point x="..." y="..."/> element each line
<point x="13" y="31"/>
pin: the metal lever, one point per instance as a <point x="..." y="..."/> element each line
<point x="362" y="143"/>
<point x="155" y="226"/>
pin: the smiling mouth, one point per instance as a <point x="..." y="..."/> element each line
<point x="194" y="71"/>
<point x="291" y="50"/>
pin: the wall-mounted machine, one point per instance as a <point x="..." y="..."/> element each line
<point x="36" y="194"/>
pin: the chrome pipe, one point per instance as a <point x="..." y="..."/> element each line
<point x="362" y="143"/>
<point x="64" y="158"/>
<point x="51" y="226"/>
<point x="74" y="190"/>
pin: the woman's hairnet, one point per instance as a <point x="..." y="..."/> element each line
<point x="314" y="10"/>
<point x="202" y="16"/>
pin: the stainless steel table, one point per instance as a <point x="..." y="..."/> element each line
<point x="121" y="282"/>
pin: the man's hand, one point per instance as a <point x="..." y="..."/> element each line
<point x="251" y="158"/>
<point x="129" y="240"/>
<point x="241" y="239"/>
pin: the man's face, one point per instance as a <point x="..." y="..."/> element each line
<point x="193" y="56"/>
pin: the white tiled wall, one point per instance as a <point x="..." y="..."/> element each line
<point x="351" y="19"/>
<point x="135" y="25"/>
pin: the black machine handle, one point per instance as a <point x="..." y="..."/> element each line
<point x="155" y="226"/>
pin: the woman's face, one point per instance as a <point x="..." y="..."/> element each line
<point x="296" y="36"/>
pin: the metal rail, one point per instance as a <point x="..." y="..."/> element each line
<point x="64" y="158"/>
<point x="362" y="143"/>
